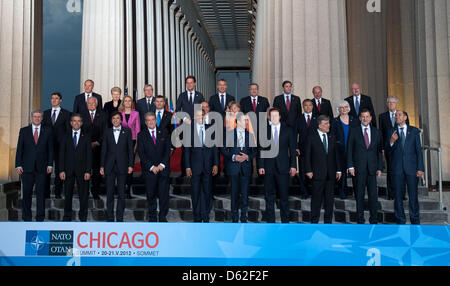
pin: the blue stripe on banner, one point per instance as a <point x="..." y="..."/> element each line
<point x="105" y="244"/>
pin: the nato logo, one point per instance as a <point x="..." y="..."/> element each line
<point x="48" y="242"/>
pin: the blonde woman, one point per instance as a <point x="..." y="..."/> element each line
<point x="131" y="120"/>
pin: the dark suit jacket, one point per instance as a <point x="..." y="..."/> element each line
<point x="289" y="117"/>
<point x="200" y="159"/>
<point x="325" y="108"/>
<point x="61" y="126"/>
<point x="80" y="106"/>
<point x="215" y="106"/>
<point x="97" y="128"/>
<point x="286" y="158"/>
<point x="365" y="102"/>
<point x="75" y="161"/>
<point x="184" y="105"/>
<point x="154" y="155"/>
<point x="141" y="107"/>
<point x="120" y="154"/>
<point x="303" y="131"/>
<point x="235" y="168"/>
<point x="31" y="157"/>
<point x="408" y="159"/>
<point x="166" y="123"/>
<point x="338" y="132"/>
<point x="109" y="109"/>
<point x="323" y="165"/>
<point x="359" y="157"/>
<point x="386" y="125"/>
<point x="247" y="105"/>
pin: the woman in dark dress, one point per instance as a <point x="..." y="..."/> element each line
<point x="113" y="105"/>
<point x="340" y="128"/>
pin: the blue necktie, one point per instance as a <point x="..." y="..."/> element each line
<point x="201" y="136"/>
<point x="158" y="119"/>
<point x="222" y="101"/>
<point x="276" y="136"/>
<point x="75" y="139"/>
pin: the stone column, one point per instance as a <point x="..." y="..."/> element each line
<point x="167" y="49"/>
<point x="102" y="54"/>
<point x="173" y="55"/>
<point x="140" y="48"/>
<point x="183" y="53"/>
<point x="151" y="43"/>
<point x="432" y="34"/>
<point x="159" y="49"/>
<point x="20" y="74"/>
<point x="179" y="53"/>
<point x="293" y="44"/>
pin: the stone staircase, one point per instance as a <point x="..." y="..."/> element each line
<point x="181" y="207"/>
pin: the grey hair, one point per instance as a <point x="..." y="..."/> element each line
<point x="148" y="85"/>
<point x="36" y="111"/>
<point x="392" y="97"/>
<point x="341" y="103"/>
<point x="95" y="98"/>
<point x="322" y="118"/>
<point x="149" y="114"/>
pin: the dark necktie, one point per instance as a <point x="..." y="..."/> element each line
<point x="366" y="138"/>
<point x="254" y="104"/>
<point x="393" y="119"/>
<point x="75" y="139"/>
<point x="325" y="143"/>
<point x="222" y="101"/>
<point x="402" y="137"/>
<point x="318" y="105"/>
<point x="54" y="117"/>
<point x="153" y="137"/>
<point x="158" y="119"/>
<point x="276" y="136"/>
<point x="288" y="103"/>
<point x="36" y="136"/>
<point x="309" y="121"/>
<point x="149" y="105"/>
<point x="191" y="98"/>
<point x="357" y="106"/>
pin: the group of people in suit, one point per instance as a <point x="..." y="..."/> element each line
<point x="91" y="142"/>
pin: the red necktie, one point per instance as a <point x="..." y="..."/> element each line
<point x="309" y="121"/>
<point x="254" y="104"/>
<point x="36" y="136"/>
<point x="288" y="103"/>
<point x="318" y="105"/>
<point x="366" y="138"/>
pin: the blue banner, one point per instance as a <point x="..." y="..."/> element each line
<point x="186" y="244"/>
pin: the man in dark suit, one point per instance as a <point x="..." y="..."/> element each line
<point x="34" y="161"/>
<point x="163" y="117"/>
<point x="186" y="103"/>
<point x="219" y="101"/>
<point x="80" y="103"/>
<point x="306" y="123"/>
<point x="254" y="103"/>
<point x="407" y="167"/>
<point x="146" y="104"/>
<point x="365" y="162"/>
<point x="358" y="102"/>
<point x="201" y="164"/>
<point x="239" y="154"/>
<point x="322" y="166"/>
<point x="154" y="151"/>
<point x="322" y="106"/>
<point x="75" y="157"/>
<point x="95" y="123"/>
<point x="117" y="161"/>
<point x="387" y="122"/>
<point x="58" y="119"/>
<point x="277" y="167"/>
<point x="289" y="105"/>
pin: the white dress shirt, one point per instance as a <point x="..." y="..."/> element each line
<point x="117" y="133"/>
<point x="58" y="110"/>
<point x="78" y="135"/>
<point x="156" y="137"/>
<point x="87" y="96"/>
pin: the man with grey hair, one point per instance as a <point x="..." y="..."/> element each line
<point x="95" y="123"/>
<point x="359" y="102"/>
<point x="80" y="103"/>
<point x="146" y="104"/>
<point x="34" y="160"/>
<point x="387" y="122"/>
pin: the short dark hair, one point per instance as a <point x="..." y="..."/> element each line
<point x="116" y="113"/>
<point x="160" y="96"/>
<point x="254" y="84"/>
<point x="286" y="82"/>
<point x="365" y="110"/>
<point x="191" y="77"/>
<point x="274" y="109"/>
<point x="76" y="115"/>
<point x="57" y="94"/>
<point x="322" y="118"/>
<point x="307" y="100"/>
<point x="224" y="80"/>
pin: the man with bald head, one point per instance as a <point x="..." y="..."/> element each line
<point x="95" y="123"/>
<point x="322" y="106"/>
<point x="80" y="103"/>
<point x="359" y="102"/>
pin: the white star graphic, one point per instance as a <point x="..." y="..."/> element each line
<point x="238" y="248"/>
